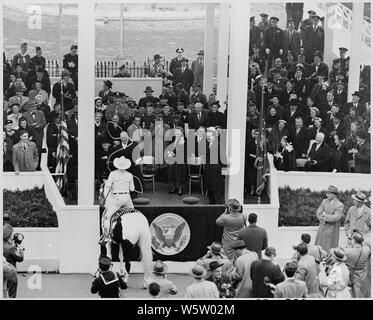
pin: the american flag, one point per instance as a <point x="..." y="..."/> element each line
<point x="63" y="152"/>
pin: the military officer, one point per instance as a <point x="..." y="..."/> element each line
<point x="255" y="35"/>
<point x="273" y="41"/>
<point x="308" y="21"/>
<point x="342" y="56"/>
<point x="176" y="62"/>
<point x="70" y="63"/>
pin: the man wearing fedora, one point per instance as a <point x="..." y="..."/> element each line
<point x="167" y="288"/>
<point x="215" y="253"/>
<point x="357" y="215"/>
<point x="357" y="256"/>
<point x="106" y="91"/>
<point x="221" y="281"/>
<point x="70" y="63"/>
<point x="68" y="90"/>
<point x="361" y="108"/>
<point x="329" y="214"/>
<point x="183" y="75"/>
<point x="242" y="271"/>
<point x="201" y="288"/>
<point x="197" y="68"/>
<point x="148" y="97"/>
<point x="19" y="97"/>
<point x="107" y="283"/>
<point x="176" y="62"/>
<point x="157" y="69"/>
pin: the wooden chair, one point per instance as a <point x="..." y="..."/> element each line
<point x="148" y="170"/>
<point x="195" y="172"/>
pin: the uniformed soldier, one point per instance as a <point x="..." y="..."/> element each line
<point x="342" y="56"/>
<point x="255" y="35"/>
<point x="313" y="39"/>
<point x="308" y="21"/>
<point x="273" y="41"/>
<point x="176" y="62"/>
<point x="263" y="26"/>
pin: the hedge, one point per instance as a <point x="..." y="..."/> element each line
<point x="29" y="209"/>
<point x="298" y="206"/>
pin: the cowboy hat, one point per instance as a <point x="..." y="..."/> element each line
<point x="157" y="56"/>
<point x="239" y="244"/>
<point x="198" y="271"/>
<point x="108" y="83"/>
<point x="159" y="267"/>
<point x="122" y="163"/>
<point x="338" y="254"/>
<point x="359" y="196"/>
<point x="215" y="248"/>
<point x="214" y="265"/>
<point x="332" y="189"/>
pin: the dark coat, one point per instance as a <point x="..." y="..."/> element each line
<point x="291" y="43"/>
<point x="52" y="143"/>
<point x="313" y="131"/>
<point x="194" y="123"/>
<point x="290" y="119"/>
<point x="288" y="161"/>
<point x="144" y="100"/>
<point x="24" y="61"/>
<point x="255" y="37"/>
<point x="72" y="129"/>
<point x="255" y="238"/>
<point x="300" y="141"/>
<point x="340" y="131"/>
<point x="216" y="119"/>
<point x="361" y="108"/>
<point x="273" y="39"/>
<point x="340" y="98"/>
<point x="105" y="97"/>
<point x="45" y="81"/>
<point x="313" y="40"/>
<point x="322" y="156"/>
<point x="362" y="158"/>
<point x="340" y="161"/>
<point x="69" y="94"/>
<point x="35" y="60"/>
<point x="108" y="284"/>
<point x="174" y="64"/>
<point x="322" y="70"/>
<point x="300" y="87"/>
<point x="186" y="78"/>
<point x="214" y="178"/>
<point x="262" y="272"/>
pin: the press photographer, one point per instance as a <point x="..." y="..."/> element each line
<point x="13" y="253"/>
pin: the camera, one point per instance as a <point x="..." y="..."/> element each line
<point x="18" y="238"/>
<point x="328" y="261"/>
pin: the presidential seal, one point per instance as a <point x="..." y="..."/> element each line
<point x="170" y="234"/>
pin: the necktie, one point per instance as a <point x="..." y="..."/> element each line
<point x="199" y="117"/>
<point x="24" y="146"/>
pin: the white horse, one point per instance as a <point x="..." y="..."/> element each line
<point x="129" y="227"/>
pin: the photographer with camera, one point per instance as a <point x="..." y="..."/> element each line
<point x="13" y="253"/>
<point x="107" y="283"/>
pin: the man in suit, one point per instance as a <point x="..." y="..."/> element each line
<point x="278" y="67"/>
<point x="25" y="154"/>
<point x="183" y="75"/>
<point x="294" y="12"/>
<point x="292" y="40"/>
<point x="357" y="215"/>
<point x="255" y="36"/>
<point x="318" y="68"/>
<point x="273" y="41"/>
<point x="176" y="62"/>
<point x="299" y="136"/>
<point x="148" y="97"/>
<point x="361" y="108"/>
<point x="106" y="91"/>
<point x="68" y="91"/>
<point x="340" y="93"/>
<point x="291" y="288"/>
<point x="255" y="237"/>
<point x="319" y="155"/>
<point x="300" y="83"/>
<point x="219" y="278"/>
<point x="23" y="58"/>
<point x="70" y="63"/>
<point x="308" y="21"/>
<point x="198" y="117"/>
<point x="292" y="113"/>
<point x="72" y="130"/>
<point x="306" y="270"/>
<point x="362" y="153"/>
<point x="197" y="69"/>
<point x="265" y="272"/>
<point x="335" y="127"/>
<point x="37" y="59"/>
<point x="313" y="39"/>
<point x="197" y="95"/>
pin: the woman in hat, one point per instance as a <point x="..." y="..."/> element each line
<point x="329" y="214"/>
<point x="99" y="106"/>
<point x="275" y="136"/>
<point x="159" y="276"/>
<point x="201" y="288"/>
<point x="335" y="281"/>
<point x="232" y="220"/>
<point x="272" y="118"/>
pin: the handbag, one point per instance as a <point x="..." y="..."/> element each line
<point x="351" y="276"/>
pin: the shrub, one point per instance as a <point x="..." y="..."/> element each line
<point x="298" y="206"/>
<point x="29" y="208"/>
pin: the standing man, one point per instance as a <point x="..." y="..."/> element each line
<point x="263" y="26"/>
<point x="197" y="68"/>
<point x="70" y="63"/>
<point x="273" y="41"/>
<point x="308" y="21"/>
<point x="329" y="213"/>
<point x="201" y="288"/>
<point x="265" y="274"/>
<point x="361" y="153"/>
<point x="37" y="59"/>
<point x="294" y="11"/>
<point x="313" y="39"/>
<point x="255" y="36"/>
<point x="25" y="154"/>
<point x="292" y="39"/>
<point x="299" y="136"/>
<point x="106" y="91"/>
<point x="68" y="91"/>
<point x="148" y="97"/>
<point x="255" y="237"/>
<point x="242" y="270"/>
<point x="343" y="56"/>
<point x="183" y="75"/>
<point x="176" y="62"/>
<point x="291" y="288"/>
<point x="23" y="58"/>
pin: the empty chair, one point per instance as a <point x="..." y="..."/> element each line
<point x="195" y="172"/>
<point x="148" y="170"/>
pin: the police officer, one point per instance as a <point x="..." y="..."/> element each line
<point x="107" y="284"/>
<point x="273" y="41"/>
<point x="176" y="62"/>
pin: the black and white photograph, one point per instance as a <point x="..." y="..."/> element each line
<point x="186" y="150"/>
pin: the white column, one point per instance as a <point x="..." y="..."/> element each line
<point x="209" y="49"/>
<point x="356" y="49"/>
<point x="329" y="26"/>
<point x="223" y="49"/>
<point x="237" y="96"/>
<point x="86" y="133"/>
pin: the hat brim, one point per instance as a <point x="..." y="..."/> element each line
<point x="218" y="266"/>
<point x="357" y="199"/>
<point x="122" y="166"/>
<point x="165" y="268"/>
<point x="198" y="276"/>
<point x="337" y="258"/>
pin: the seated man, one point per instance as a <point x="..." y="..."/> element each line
<point x="319" y="155"/>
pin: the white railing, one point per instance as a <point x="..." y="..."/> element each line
<point x="343" y="17"/>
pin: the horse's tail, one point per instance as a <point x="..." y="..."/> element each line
<point x="146" y="250"/>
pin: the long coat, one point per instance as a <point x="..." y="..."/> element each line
<point x="300" y="141"/>
<point x="322" y="156"/>
<point x="313" y="40"/>
<point x="25" y="160"/>
<point x="328" y="232"/>
<point x="198" y="73"/>
<point x="354" y="220"/>
<point x="214" y="178"/>
<point x="362" y="158"/>
<point x="307" y="272"/>
<point x="243" y="266"/>
<point x="186" y="78"/>
<point x="291" y="43"/>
